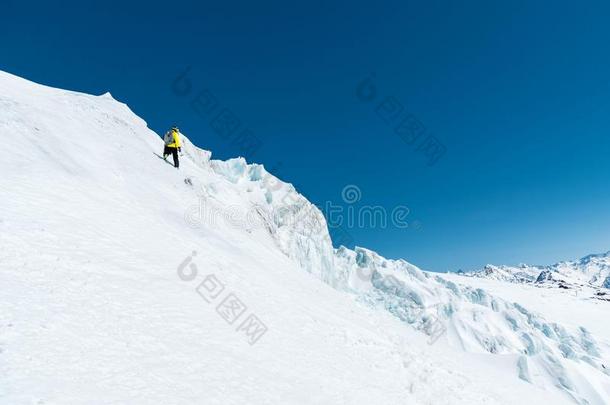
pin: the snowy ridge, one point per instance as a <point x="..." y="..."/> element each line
<point x="91" y="296"/>
<point x="549" y="353"/>
<point x="591" y="273"/>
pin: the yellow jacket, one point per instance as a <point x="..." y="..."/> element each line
<point x="174" y="141"/>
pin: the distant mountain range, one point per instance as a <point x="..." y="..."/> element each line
<point x="592" y="271"/>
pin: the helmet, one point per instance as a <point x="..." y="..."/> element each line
<point x="175" y="128"/>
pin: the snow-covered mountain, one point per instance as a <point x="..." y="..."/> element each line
<point x="128" y="281"/>
<point x="592" y="272"/>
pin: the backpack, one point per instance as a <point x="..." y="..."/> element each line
<point x="168" y="138"/>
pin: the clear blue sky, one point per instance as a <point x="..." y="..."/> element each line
<point x="518" y="93"/>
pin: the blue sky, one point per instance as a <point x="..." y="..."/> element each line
<point x="518" y="93"/>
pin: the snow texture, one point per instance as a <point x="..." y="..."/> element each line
<point x="117" y="270"/>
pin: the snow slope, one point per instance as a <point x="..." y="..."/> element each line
<point x="110" y="261"/>
<point x="572" y="307"/>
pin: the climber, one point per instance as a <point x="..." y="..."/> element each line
<point x="172" y="144"/>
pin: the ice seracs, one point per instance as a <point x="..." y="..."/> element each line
<point x="95" y="225"/>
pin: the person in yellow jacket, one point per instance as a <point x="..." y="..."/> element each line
<point x="172" y="145"/>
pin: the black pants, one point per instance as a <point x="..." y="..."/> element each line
<point x="171" y="151"/>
